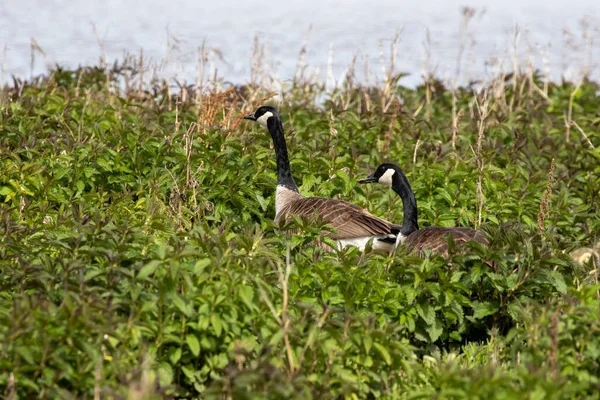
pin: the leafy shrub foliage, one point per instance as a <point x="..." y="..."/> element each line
<point x="139" y="258"/>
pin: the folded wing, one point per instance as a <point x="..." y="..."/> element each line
<point x="347" y="220"/>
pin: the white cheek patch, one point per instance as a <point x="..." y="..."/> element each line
<point x="263" y="118"/>
<point x="386" y="178"/>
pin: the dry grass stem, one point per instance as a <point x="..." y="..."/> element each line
<point x="390" y="131"/>
<point x="576" y="125"/>
<point x="456" y="117"/>
<point x="417" y="145"/>
<point x="569" y="116"/>
<point x="543" y="214"/>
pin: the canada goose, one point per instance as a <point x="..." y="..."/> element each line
<point x="583" y="254"/>
<point x="353" y="225"/>
<point x="433" y="238"/>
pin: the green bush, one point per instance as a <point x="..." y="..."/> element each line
<point x="139" y="257"/>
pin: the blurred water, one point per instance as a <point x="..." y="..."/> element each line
<point x="174" y="30"/>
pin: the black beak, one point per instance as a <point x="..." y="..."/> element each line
<point x="369" y="179"/>
<point x="251" y="117"/>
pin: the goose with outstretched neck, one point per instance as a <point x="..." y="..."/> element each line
<point x="434" y="238"/>
<point x="351" y="224"/>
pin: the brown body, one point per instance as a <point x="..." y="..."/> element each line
<point x="348" y="220"/>
<point x="435" y="238"/>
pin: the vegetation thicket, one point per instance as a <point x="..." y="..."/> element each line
<point x="138" y="257"/>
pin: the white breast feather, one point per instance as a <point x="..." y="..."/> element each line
<point x="361" y="243"/>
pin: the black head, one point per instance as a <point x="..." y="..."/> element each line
<point x="262" y="115"/>
<point x="383" y="174"/>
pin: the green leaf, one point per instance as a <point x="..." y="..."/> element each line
<point x="456" y="275"/>
<point x="181" y="304"/>
<point x="193" y="344"/>
<point x="148" y="269"/>
<point x="175" y="355"/>
<point x="165" y="374"/>
<point x="93" y="273"/>
<point x="276" y="338"/>
<point x="215" y="321"/>
<point x="5" y="191"/>
<point x="80" y="186"/>
<point x="556" y="279"/>
<point x="201" y="264"/>
<point x="435" y="330"/>
<point x="26" y="354"/>
<point x="383" y="352"/>
<point x="426" y="312"/>
<point x="246" y="294"/>
<point x="188" y="371"/>
<point x="483" y="309"/>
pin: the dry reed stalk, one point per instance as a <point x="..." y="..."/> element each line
<point x="190" y="181"/>
<point x="10" y="387"/>
<point x="516" y="69"/>
<point x="35" y="47"/>
<point x="483" y="108"/>
<point x="177" y="123"/>
<point x="417" y="145"/>
<point x="169" y="97"/>
<point x="102" y="58"/>
<point x="569" y="116"/>
<point x="188" y="137"/>
<point x="103" y="64"/>
<point x="365" y="104"/>
<point x="349" y="90"/>
<point x="332" y="137"/>
<point x="587" y="53"/>
<point x="366" y="71"/>
<point x="141" y="72"/>
<point x="98" y="379"/>
<point x="456" y="117"/>
<point x="387" y="97"/>
<point x="499" y="91"/>
<point x="428" y="75"/>
<point x="390" y="131"/>
<point x="301" y="63"/>
<point x="521" y="96"/>
<point x="78" y="84"/>
<point x="86" y="103"/>
<point x="4" y="50"/>
<point x="201" y="71"/>
<point x="530" y="68"/>
<point x="146" y="387"/>
<point x="418" y="110"/>
<point x="467" y="15"/>
<point x="330" y="83"/>
<point x="576" y="125"/>
<point x="543" y="214"/>
<point x="543" y="94"/>
<point x="427" y="100"/>
<point x="543" y="91"/>
<point x="547" y="71"/>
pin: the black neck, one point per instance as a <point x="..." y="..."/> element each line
<point x="401" y="186"/>
<point x="284" y="173"/>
